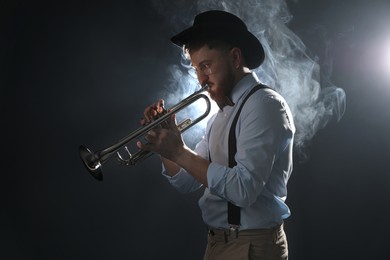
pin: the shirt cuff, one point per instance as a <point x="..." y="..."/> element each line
<point x="177" y="180"/>
<point x="164" y="172"/>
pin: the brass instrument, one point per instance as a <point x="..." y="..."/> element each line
<point x="93" y="161"/>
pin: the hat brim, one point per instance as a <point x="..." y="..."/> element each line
<point x="248" y="43"/>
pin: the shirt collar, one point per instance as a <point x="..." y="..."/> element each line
<point x="247" y="82"/>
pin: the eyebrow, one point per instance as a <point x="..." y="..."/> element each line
<point x="202" y="62"/>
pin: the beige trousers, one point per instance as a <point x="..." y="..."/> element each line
<point x="259" y="244"/>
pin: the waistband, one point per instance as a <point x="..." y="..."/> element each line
<point x="225" y="235"/>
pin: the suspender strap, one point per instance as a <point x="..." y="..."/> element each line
<point x="233" y="210"/>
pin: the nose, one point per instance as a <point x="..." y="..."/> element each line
<point x="202" y="78"/>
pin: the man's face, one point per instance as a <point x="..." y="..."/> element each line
<point x="215" y="68"/>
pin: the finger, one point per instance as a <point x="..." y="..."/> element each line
<point x="151" y="136"/>
<point x="150" y="112"/>
<point x="142" y="146"/>
<point x="172" y="122"/>
<point x="146" y="114"/>
<point x="160" y="106"/>
<point x="143" y="121"/>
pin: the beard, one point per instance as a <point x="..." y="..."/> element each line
<point x="221" y="90"/>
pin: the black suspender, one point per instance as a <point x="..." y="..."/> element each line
<point x="233" y="210"/>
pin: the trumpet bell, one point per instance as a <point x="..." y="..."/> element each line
<point x="91" y="162"/>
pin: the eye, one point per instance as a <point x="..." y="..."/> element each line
<point x="205" y="68"/>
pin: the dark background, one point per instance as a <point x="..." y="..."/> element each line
<point x="81" y="73"/>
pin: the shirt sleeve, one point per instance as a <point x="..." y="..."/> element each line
<point x="260" y="132"/>
<point x="183" y="181"/>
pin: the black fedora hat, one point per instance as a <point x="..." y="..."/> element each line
<point x="228" y="27"/>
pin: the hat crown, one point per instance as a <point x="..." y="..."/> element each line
<point x="219" y="18"/>
<point x="227" y="27"/>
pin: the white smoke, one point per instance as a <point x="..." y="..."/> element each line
<point x="287" y="68"/>
<point x="180" y="85"/>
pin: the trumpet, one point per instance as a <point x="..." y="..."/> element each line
<point x="94" y="161"/>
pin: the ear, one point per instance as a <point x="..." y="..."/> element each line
<point x="237" y="58"/>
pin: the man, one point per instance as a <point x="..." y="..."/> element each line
<point x="244" y="200"/>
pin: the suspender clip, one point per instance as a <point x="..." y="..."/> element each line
<point x="234" y="228"/>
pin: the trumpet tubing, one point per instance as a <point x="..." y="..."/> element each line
<point x="94" y="161"/>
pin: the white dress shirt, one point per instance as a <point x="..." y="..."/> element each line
<point x="258" y="183"/>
